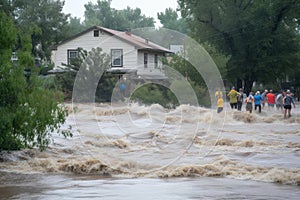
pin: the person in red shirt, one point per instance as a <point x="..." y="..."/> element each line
<point x="271" y="99"/>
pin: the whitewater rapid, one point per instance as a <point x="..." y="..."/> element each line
<point x="139" y="141"/>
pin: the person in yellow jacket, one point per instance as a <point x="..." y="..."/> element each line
<point x="220" y="104"/>
<point x="218" y="92"/>
<point x="233" y="96"/>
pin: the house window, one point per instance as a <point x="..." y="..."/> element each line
<point x="145" y="60"/>
<point x="155" y="60"/>
<point x="96" y="33"/>
<point x="116" y="58"/>
<point x="72" y="54"/>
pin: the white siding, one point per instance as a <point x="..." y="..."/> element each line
<point x="104" y="41"/>
<point x="151" y="69"/>
<point x="132" y="57"/>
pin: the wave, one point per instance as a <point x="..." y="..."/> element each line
<point x="182" y="113"/>
<point x="92" y="153"/>
<point x="221" y="167"/>
<point x="232" y="169"/>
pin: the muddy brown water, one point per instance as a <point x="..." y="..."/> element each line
<point x="149" y="152"/>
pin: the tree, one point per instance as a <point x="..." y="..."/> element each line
<point x="155" y="94"/>
<point x="170" y="20"/>
<point x="66" y="80"/>
<point x="103" y="15"/>
<point x="191" y="74"/>
<point x="44" y="19"/>
<point x="29" y="113"/>
<point x="6" y="7"/>
<point x="88" y="70"/>
<point x="73" y="27"/>
<point x="261" y="37"/>
<point x="132" y="18"/>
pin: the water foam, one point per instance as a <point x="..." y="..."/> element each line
<point x="123" y="156"/>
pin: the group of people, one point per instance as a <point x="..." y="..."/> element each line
<point x="283" y="101"/>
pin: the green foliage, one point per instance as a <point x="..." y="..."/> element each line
<point x="5" y="6"/>
<point x="260" y="37"/>
<point x="102" y="14"/>
<point x="7" y="35"/>
<point x="170" y="20"/>
<point x="97" y="62"/>
<point x="193" y="78"/>
<point x="29" y="113"/>
<point x="157" y="94"/>
<point x="44" y="69"/>
<point x="44" y="21"/>
<point x="66" y="80"/>
<point x="73" y="27"/>
<point x="105" y="87"/>
<point x="219" y="58"/>
<point x="153" y="93"/>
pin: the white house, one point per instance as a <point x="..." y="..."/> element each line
<point x="128" y="52"/>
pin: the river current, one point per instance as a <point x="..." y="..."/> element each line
<point x="148" y="152"/>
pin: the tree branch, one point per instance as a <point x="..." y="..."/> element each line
<point x="241" y="3"/>
<point x="227" y="38"/>
<point x="279" y="17"/>
<point x="248" y="4"/>
<point x="203" y="21"/>
<point x="211" y="17"/>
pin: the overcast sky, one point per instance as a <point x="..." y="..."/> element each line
<point x="150" y="8"/>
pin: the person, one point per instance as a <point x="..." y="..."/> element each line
<point x="123" y="88"/>
<point x="233" y="94"/>
<point x="279" y="101"/>
<point x="257" y="101"/>
<point x="249" y="102"/>
<point x="218" y="92"/>
<point x="270" y="97"/>
<point x="240" y="99"/>
<point x="263" y="97"/>
<point x="288" y="100"/>
<point x="220" y="103"/>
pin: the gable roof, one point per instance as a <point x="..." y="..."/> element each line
<point x="139" y="42"/>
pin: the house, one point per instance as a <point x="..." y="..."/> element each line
<point x="128" y="52"/>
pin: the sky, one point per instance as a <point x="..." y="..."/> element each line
<point x="149" y="8"/>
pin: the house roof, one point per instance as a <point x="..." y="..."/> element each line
<point x="139" y="42"/>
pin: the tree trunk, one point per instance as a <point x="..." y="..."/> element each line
<point x="239" y="84"/>
<point x="248" y="86"/>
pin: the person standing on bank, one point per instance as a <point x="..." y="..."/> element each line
<point x="257" y="101"/>
<point x="233" y="94"/>
<point x="240" y="99"/>
<point x="288" y="100"/>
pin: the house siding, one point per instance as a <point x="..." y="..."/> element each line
<point x="133" y="49"/>
<point x="105" y="41"/>
<point x="151" y="69"/>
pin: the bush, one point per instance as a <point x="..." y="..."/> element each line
<point x="153" y="93"/>
<point x="29" y="112"/>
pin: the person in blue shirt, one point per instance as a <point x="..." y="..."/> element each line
<point x="257" y="101"/>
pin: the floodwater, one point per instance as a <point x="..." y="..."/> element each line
<point x="148" y="152"/>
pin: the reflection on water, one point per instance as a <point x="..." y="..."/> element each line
<point x="39" y="186"/>
<point x="140" y="152"/>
